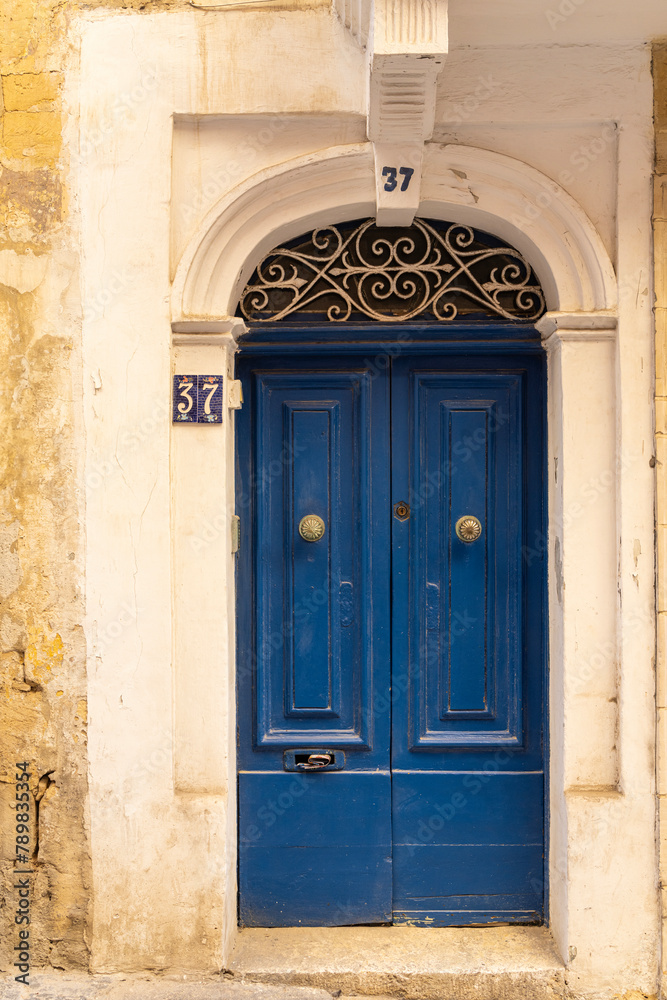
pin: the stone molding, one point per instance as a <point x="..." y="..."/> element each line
<point x="558" y="328"/>
<point x="396" y="26"/>
<point x="584" y="604"/>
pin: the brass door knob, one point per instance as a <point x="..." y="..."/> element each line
<point x="311" y="528"/>
<point x="468" y="528"/>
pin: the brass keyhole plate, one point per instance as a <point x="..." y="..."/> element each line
<point x="402" y="510"/>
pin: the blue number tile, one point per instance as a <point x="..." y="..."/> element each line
<point x="209" y="399"/>
<point x="185" y="397"/>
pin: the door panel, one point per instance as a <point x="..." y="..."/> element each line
<point x="315" y="640"/>
<point x="468" y="844"/>
<point x="468" y="782"/>
<point x="458" y="452"/>
<point x="314" y="653"/>
<point x="391" y="622"/>
<point x="315" y="849"/>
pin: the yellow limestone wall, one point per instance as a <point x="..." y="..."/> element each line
<point x="42" y="666"/>
<point x="660" y="230"/>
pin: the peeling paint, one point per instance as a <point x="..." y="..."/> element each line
<point x="22" y="272"/>
<point x="558" y="566"/>
<point x="30" y="206"/>
<point x="31" y="91"/>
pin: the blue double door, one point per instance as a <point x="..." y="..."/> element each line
<point x="391" y="652"/>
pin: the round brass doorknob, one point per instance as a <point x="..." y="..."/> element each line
<point x="468" y="528"/>
<point x="311" y="528"/>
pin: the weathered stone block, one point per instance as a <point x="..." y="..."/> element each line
<point x="34" y="135"/>
<point x="660" y="84"/>
<point x="30" y="91"/>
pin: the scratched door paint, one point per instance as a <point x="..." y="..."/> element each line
<point x="417" y="656"/>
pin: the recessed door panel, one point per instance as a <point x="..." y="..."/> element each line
<point x="314" y="634"/>
<point x="312" y="434"/>
<point x="462" y="452"/>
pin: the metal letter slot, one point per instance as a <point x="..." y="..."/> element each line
<point x="313" y="760"/>
<point x="468" y="528"/>
<point x="311" y="528"/>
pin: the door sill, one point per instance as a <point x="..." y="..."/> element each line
<point x="414" y="963"/>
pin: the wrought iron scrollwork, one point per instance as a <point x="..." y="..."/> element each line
<point x="432" y="270"/>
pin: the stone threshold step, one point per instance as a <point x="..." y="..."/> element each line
<point x="54" y="985"/>
<point x="413" y="963"/>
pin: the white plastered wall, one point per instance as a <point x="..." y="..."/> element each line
<point x="160" y="612"/>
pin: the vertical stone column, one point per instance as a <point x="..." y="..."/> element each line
<point x="202" y="505"/>
<point x="583" y="482"/>
<point x="203" y="600"/>
<point x="660" y="245"/>
<point x="583" y="682"/>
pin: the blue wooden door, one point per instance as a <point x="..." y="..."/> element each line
<point x="390" y="687"/>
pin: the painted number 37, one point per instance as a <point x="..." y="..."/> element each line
<point x="391" y="173"/>
<point x="186" y="388"/>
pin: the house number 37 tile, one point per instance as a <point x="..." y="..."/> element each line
<point x="197" y="399"/>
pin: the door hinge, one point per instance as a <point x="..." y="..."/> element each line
<point x="234" y="394"/>
<point x="236" y="532"/>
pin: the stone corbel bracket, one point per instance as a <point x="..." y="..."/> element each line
<point x="406" y="44"/>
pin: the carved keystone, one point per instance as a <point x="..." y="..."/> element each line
<point x="406" y="43"/>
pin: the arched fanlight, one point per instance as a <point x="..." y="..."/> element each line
<point x="433" y="270"/>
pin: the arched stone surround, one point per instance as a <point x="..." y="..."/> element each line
<point x="520" y="205"/>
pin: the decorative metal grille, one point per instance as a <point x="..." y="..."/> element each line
<point x="433" y="270"/>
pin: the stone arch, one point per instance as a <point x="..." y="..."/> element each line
<point x="486" y="190"/>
